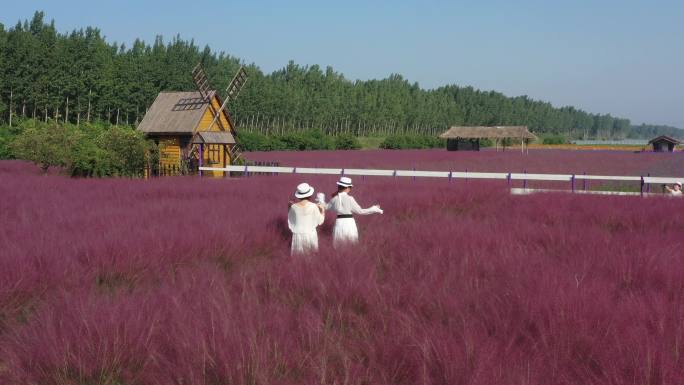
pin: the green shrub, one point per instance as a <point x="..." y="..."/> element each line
<point x="89" y="160"/>
<point x="554" y="139"/>
<point x="46" y="145"/>
<point x="312" y="139"/>
<point x="347" y="142"/>
<point x="252" y="141"/>
<point x="125" y="149"/>
<point x="400" y="142"/>
<point x="6" y="137"/>
<point x="87" y="150"/>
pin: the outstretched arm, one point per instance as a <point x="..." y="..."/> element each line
<point x="356" y="209"/>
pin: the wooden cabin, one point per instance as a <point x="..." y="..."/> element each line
<point x="664" y="143"/>
<point x="181" y="125"/>
<point x="467" y="138"/>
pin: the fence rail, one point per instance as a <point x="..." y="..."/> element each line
<point x="645" y="181"/>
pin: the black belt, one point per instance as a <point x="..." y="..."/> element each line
<point x="344" y="216"/>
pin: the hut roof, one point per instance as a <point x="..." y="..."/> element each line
<point x="175" y="112"/>
<point x="665" y="138"/>
<point x="213" y="137"/>
<point x="496" y="132"/>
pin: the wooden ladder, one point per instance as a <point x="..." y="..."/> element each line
<point x="202" y="82"/>
<point x="236" y="84"/>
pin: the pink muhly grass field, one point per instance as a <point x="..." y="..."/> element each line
<point x="189" y="281"/>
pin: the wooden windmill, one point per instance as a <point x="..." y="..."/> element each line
<point x="208" y="94"/>
<point x="193" y="128"/>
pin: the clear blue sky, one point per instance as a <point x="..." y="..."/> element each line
<point x="604" y="56"/>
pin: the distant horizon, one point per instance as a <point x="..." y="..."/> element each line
<point x="608" y="78"/>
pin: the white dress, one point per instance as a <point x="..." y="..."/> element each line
<point x="303" y="221"/>
<point x="345" y="230"/>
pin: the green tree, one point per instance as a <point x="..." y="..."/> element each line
<point x="46" y="145"/>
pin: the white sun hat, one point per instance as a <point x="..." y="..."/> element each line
<point x="678" y="183"/>
<point x="345" y="182"/>
<point x="304" y="190"/>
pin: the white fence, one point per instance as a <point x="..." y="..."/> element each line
<point x="644" y="181"/>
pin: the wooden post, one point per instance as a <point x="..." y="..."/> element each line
<point x="225" y="157"/>
<point x="201" y="157"/>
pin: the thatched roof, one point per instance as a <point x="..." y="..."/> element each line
<point x="497" y="132"/>
<point x="213" y="137"/>
<point x="174" y="112"/>
<point x="665" y="138"/>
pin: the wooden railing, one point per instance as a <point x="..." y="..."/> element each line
<point x="573" y="179"/>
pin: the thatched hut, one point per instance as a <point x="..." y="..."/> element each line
<point x="664" y="143"/>
<point x="460" y="138"/>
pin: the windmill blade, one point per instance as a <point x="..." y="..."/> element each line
<point x="199" y="77"/>
<point x="236" y="84"/>
<point x="232" y="92"/>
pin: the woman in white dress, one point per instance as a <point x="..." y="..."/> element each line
<point x="345" y="230"/>
<point x="675" y="190"/>
<point x="303" y="218"/>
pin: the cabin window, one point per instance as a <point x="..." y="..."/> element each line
<point x="214" y="153"/>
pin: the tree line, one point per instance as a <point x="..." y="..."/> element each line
<point x="79" y="77"/>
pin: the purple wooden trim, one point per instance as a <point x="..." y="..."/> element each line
<point x="573" y="182"/>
